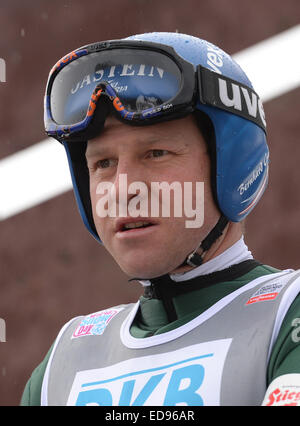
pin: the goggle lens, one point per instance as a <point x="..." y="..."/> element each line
<point x="141" y="79"/>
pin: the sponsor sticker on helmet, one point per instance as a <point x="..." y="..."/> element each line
<point x="254" y="175"/>
<point x="95" y="324"/>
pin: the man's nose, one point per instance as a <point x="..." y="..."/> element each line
<point x="130" y="178"/>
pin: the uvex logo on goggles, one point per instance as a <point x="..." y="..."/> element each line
<point x="143" y="82"/>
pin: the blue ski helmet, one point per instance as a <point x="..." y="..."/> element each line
<point x="237" y="142"/>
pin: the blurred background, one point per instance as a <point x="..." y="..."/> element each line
<point x="51" y="268"/>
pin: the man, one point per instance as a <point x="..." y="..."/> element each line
<point x="214" y="326"/>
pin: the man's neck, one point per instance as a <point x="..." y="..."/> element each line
<point x="231" y="234"/>
<point x="235" y="254"/>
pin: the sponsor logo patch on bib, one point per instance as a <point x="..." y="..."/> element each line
<point x="266" y="292"/>
<point x="284" y="391"/>
<point x="95" y="324"/>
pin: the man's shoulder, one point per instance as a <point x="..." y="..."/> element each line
<point x="32" y="393"/>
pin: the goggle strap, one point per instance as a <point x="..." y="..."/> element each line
<point x="229" y="95"/>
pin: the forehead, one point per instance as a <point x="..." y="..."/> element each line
<point x="184" y="130"/>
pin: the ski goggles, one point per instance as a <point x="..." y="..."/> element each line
<point x="140" y="82"/>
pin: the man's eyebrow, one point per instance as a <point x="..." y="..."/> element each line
<point x="92" y="152"/>
<point x="150" y="140"/>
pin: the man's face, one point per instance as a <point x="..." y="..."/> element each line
<point x="172" y="151"/>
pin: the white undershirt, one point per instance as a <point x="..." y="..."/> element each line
<point x="237" y="253"/>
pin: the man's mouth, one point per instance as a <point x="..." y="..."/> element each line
<point x="136" y="225"/>
<point x="130" y="224"/>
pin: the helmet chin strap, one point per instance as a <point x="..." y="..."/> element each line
<point x="195" y="259"/>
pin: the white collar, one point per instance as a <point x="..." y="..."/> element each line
<point x="237" y="253"/>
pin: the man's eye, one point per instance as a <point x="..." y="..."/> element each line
<point x="158" y="153"/>
<point x="105" y="163"/>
